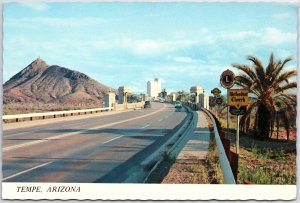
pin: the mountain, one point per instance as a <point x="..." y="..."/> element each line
<point x="40" y="83"/>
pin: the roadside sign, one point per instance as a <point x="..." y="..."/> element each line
<point x="219" y="100"/>
<point x="237" y="98"/>
<point x="227" y="79"/>
<point x="216" y="92"/>
<point x="212" y="101"/>
<point x="240" y="111"/>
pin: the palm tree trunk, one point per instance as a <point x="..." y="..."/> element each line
<point x="264" y="121"/>
<point x="255" y="125"/>
<point x="277" y="124"/>
<point x="272" y="128"/>
<point x="247" y="124"/>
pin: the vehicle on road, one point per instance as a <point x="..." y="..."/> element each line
<point x="147" y="104"/>
<point x="178" y="105"/>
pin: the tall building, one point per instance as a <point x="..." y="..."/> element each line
<point x="153" y="87"/>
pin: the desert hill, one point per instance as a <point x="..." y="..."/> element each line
<point x="40" y="83"/>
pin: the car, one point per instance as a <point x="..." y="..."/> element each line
<point x="178" y="105"/>
<point x="147" y="104"/>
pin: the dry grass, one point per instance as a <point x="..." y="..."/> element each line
<point x="267" y="166"/>
<point x="266" y="161"/>
<point x="187" y="171"/>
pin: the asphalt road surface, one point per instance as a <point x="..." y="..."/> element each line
<point x="105" y="148"/>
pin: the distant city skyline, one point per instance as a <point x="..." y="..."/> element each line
<point x="154" y="87"/>
<point x="184" y="44"/>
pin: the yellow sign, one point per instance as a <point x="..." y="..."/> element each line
<point x="237" y="97"/>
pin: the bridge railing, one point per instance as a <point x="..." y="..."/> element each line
<point x="225" y="165"/>
<point x="54" y="114"/>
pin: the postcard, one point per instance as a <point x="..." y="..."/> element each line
<point x="149" y="100"/>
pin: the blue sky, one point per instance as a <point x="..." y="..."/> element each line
<point x="184" y="44"/>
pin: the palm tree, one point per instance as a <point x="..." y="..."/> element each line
<point x="267" y="86"/>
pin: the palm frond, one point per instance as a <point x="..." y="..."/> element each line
<point x="281" y="66"/>
<point x="259" y="70"/>
<point x="247" y="70"/>
<point x="285" y="76"/>
<point x="289" y="100"/>
<point x="287" y="86"/>
<point x="270" y="67"/>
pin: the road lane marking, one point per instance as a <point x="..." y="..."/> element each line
<point x="17" y="134"/>
<point x="22" y="172"/>
<point x="112" y="139"/>
<point x="145" y="126"/>
<point x="74" y="133"/>
<point x="36" y="131"/>
<point x="160" y="120"/>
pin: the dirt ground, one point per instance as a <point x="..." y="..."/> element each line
<point x="188" y="171"/>
<point x="266" y="161"/>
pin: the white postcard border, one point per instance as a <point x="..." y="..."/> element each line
<point x="103" y="191"/>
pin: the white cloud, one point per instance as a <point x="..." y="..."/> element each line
<point x="251" y="40"/>
<point x="38" y="6"/>
<point x="240" y="35"/>
<point x="36" y="22"/>
<point x="152" y="47"/>
<point x="135" y="89"/>
<point x="274" y="36"/>
<point x="183" y="59"/>
<point x="281" y="16"/>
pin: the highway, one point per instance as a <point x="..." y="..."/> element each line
<point x="100" y="148"/>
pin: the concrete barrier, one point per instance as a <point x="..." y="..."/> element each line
<point x="135" y="105"/>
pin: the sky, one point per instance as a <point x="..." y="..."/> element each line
<point x="183" y="44"/>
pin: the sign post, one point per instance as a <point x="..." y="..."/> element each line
<point x="227" y="81"/>
<point x="216" y="92"/>
<point x="238" y="102"/>
<point x="227" y="135"/>
<point x="238" y="135"/>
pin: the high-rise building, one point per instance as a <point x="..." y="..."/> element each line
<point x="153" y="87"/>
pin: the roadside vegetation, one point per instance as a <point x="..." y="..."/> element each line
<point x="268" y="129"/>
<point x="270" y="94"/>
<point x="193" y="171"/>
<point x="266" y="162"/>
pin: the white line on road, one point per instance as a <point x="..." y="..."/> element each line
<point x="36" y="131"/>
<point x="112" y="139"/>
<point x="201" y="132"/>
<point x="16" y="134"/>
<point x="74" y="133"/>
<point x="160" y="120"/>
<point x="145" y="126"/>
<point x="22" y="172"/>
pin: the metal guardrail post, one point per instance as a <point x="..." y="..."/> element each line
<point x="225" y="165"/>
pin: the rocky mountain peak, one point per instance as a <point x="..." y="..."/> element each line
<point x="40" y="83"/>
<point x="39" y="63"/>
<point x="36" y="67"/>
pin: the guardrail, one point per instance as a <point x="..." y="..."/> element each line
<point x="177" y="138"/>
<point x="53" y="114"/>
<point x="225" y="165"/>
